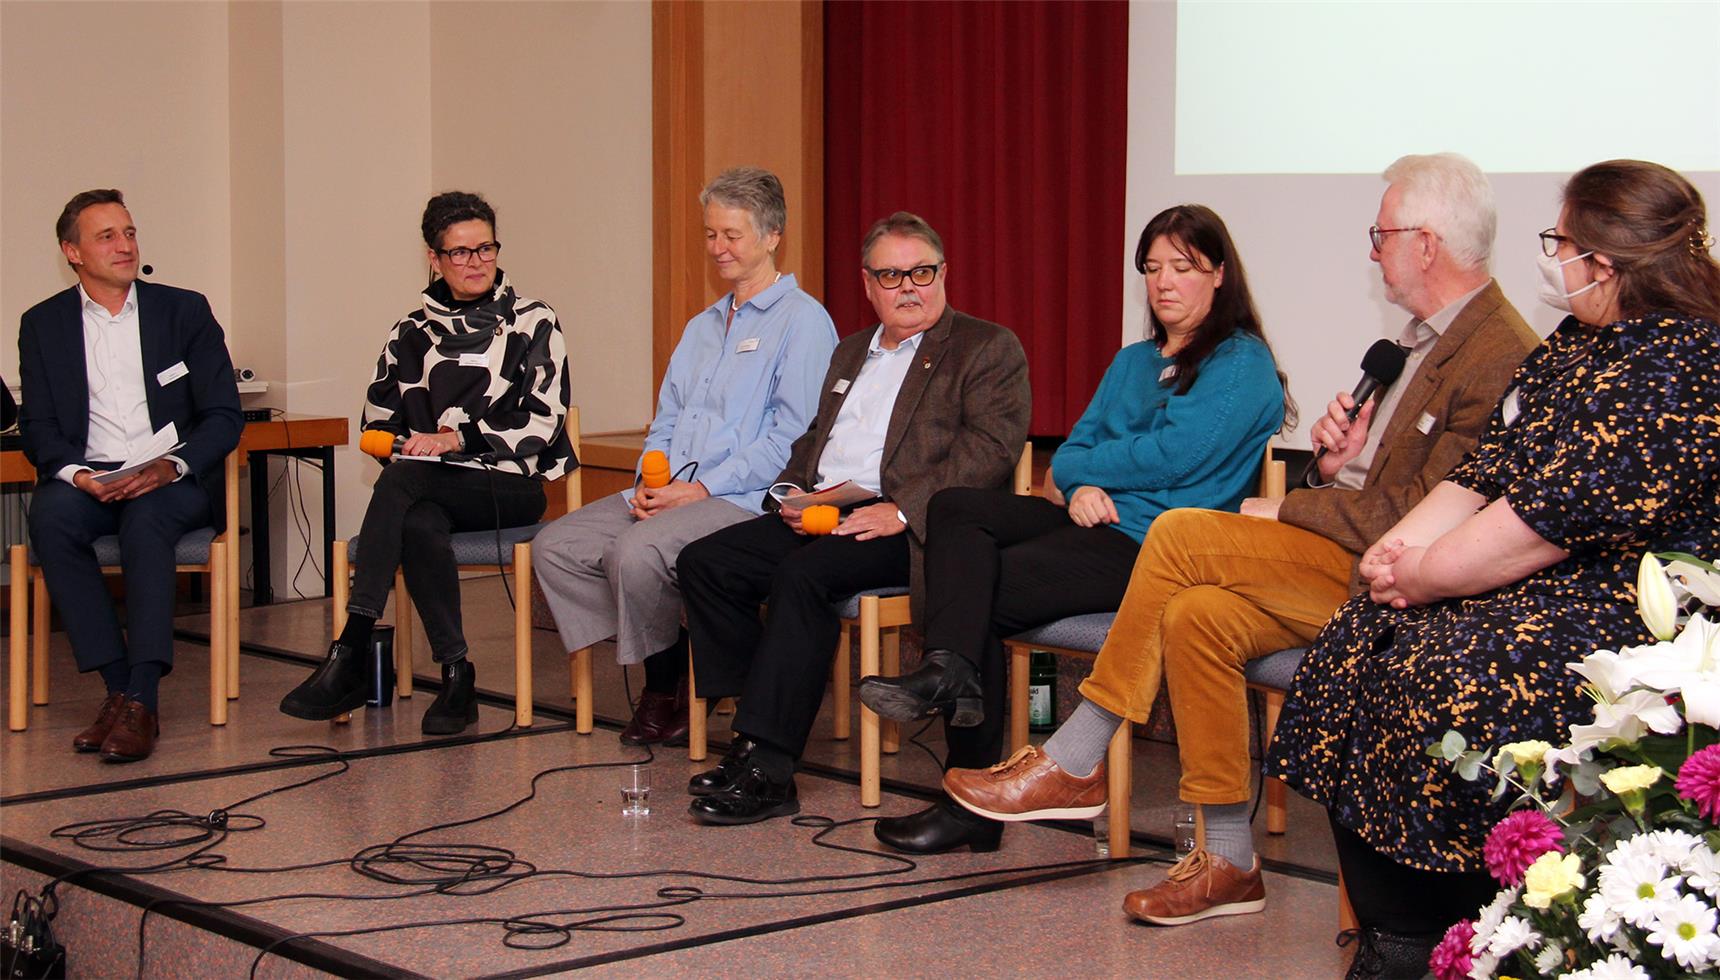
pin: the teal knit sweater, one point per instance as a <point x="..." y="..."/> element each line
<point x="1152" y="450"/>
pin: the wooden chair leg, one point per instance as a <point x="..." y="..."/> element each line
<point x="871" y="793"/>
<point x="840" y="685"/>
<point x="220" y="686"/>
<point x="43" y="618"/>
<point x="890" y="732"/>
<point x="232" y="571"/>
<point x="18" y="591"/>
<point x="523" y="634"/>
<point x="402" y="638"/>
<point x="1277" y="797"/>
<point x="582" y="691"/>
<point x="1119" y="788"/>
<point x="1346" y="914"/>
<point x="1018" y="691"/>
<point x="340" y="580"/>
<point x="695" y="715"/>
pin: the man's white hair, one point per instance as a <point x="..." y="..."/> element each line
<point x="1448" y="194"/>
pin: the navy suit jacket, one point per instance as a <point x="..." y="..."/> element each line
<point x="175" y="326"/>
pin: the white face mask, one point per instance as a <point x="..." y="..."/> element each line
<point x="1553" y="281"/>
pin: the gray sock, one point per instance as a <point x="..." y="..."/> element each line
<point x="1079" y="746"/>
<point x="1228" y="833"/>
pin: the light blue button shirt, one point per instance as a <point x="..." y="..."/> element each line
<point x="735" y="399"/>
<point x="855" y="449"/>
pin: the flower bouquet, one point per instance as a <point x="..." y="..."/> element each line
<point x="1609" y="862"/>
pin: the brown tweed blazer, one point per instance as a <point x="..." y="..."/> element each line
<point x="960" y="419"/>
<point x="1458" y="385"/>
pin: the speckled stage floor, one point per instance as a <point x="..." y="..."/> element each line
<point x="634" y="896"/>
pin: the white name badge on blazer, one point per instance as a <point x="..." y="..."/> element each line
<point x="172" y="374"/>
<point x="475" y="360"/>
<point x="1425" y="424"/>
<point x="840" y="386"/>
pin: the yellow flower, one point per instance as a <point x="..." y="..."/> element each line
<point x="1553" y="874"/>
<point x="1626" y="779"/>
<point x="1528" y="752"/>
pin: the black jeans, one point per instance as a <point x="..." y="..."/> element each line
<point x="778" y="666"/>
<point x="413" y="510"/>
<point x="1404" y="900"/>
<point x="998" y="563"/>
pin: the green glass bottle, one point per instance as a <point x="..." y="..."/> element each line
<point x="1041" y="691"/>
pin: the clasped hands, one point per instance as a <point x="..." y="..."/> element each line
<point x="157" y="474"/>
<point x="1089" y="506"/>
<point x="1392" y="572"/>
<point x="648" y="502"/>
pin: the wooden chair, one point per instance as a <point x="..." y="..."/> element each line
<point x="878" y="615"/>
<point x="201" y="550"/>
<point x="474" y="551"/>
<point x="1084" y="636"/>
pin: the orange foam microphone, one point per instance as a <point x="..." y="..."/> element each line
<point x="820" y="519"/>
<point x="379" y="443"/>
<point x="654" y="469"/>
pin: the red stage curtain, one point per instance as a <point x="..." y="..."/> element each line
<point x="1004" y="126"/>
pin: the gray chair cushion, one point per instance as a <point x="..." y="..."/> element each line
<point x="476" y="547"/>
<point x="1085" y="632"/>
<point x="1275" y="670"/>
<point x="192" y="549"/>
<point x="849" y="608"/>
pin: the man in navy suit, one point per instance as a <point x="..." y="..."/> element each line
<point x="104" y="366"/>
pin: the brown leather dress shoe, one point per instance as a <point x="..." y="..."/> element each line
<point x="133" y="736"/>
<point x="660" y="719"/>
<point x="91" y="738"/>
<point x="1199" y="886"/>
<point x="1027" y="786"/>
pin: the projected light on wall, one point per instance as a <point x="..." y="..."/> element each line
<point x="1337" y="88"/>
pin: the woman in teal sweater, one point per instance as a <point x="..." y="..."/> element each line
<point x="1180" y="420"/>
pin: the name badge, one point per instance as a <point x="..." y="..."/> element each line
<point x="747" y="346"/>
<point x="1509" y="409"/>
<point x="1168" y="373"/>
<point x="475" y="360"/>
<point x="1424" y="425"/>
<point x="172" y="374"/>
<point x="840" y="387"/>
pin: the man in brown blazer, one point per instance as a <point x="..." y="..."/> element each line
<point x="930" y="398"/>
<point x="1212" y="591"/>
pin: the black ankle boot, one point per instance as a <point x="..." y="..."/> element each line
<point x="456" y="705"/>
<point x="336" y="687"/>
<point x="1382" y="955"/>
<point x="945" y="683"/>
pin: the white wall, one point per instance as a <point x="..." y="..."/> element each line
<point x="1303" y="238"/>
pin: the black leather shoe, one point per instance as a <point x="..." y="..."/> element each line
<point x="1382" y="955"/>
<point x="336" y="687"/>
<point x="943" y="826"/>
<point x="945" y="684"/>
<point x="727" y="772"/>
<point x="456" y="705"/>
<point x="753" y="797"/>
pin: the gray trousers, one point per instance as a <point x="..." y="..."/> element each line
<point x="606" y="574"/>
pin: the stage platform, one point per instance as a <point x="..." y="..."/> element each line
<point x="557" y="878"/>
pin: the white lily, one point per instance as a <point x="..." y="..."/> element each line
<point x="1626" y="720"/>
<point x="1703" y="583"/>
<point x="1608" y="673"/>
<point x="1656" y="603"/>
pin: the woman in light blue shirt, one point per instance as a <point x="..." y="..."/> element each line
<point x="742" y="385"/>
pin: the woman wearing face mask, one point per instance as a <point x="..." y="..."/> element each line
<point x="1606" y="445"/>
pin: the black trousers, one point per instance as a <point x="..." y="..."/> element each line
<point x="778" y="666"/>
<point x="414" y="508"/>
<point x="998" y="563"/>
<point x="1401" y="899"/>
<point x="65" y="521"/>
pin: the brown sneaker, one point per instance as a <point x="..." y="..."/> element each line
<point x="133" y="736"/>
<point x="1199" y="886"/>
<point x="1027" y="786"/>
<point x="91" y="738"/>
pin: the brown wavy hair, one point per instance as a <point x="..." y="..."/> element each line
<point x="1653" y="225"/>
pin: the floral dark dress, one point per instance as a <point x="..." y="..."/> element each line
<point x="1613" y="449"/>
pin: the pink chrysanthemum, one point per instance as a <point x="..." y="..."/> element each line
<point x="1517" y="841"/>
<point x="1451" y="959"/>
<point x="1699" y="781"/>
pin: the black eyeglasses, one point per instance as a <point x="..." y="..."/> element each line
<point x="1377" y="235"/>
<point x="1550" y="240"/>
<point x="919" y="275"/>
<point x="463" y="256"/>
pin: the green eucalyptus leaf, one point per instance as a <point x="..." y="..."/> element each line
<point x="1452" y="745"/>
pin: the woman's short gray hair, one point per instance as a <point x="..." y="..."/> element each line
<point x="1448" y="194"/>
<point x="754" y="190"/>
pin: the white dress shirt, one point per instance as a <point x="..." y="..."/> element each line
<point x="119" y="406"/>
<point x="855" y="450"/>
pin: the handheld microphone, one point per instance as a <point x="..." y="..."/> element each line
<point x="380" y="444"/>
<point x="1381" y="366"/>
<point x="654" y="469"/>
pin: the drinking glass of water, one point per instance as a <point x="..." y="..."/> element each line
<point x="636" y="791"/>
<point x="1183" y="832"/>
